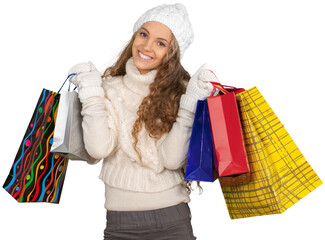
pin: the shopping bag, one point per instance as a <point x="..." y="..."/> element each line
<point x="68" y="135"/>
<point x="280" y="175"/>
<point x="235" y="179"/>
<point x="239" y="178"/>
<point x="199" y="166"/>
<point x="228" y="143"/>
<point x="37" y="175"/>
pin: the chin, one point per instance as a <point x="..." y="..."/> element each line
<point x="143" y="67"/>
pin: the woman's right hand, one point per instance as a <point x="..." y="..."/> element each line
<point x="88" y="80"/>
<point x="86" y="75"/>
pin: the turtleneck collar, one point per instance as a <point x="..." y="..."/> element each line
<point x="136" y="81"/>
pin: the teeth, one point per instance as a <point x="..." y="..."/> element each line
<point x="144" y="56"/>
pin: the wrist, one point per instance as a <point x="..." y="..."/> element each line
<point x="89" y="79"/>
<point x="90" y="91"/>
<point x="188" y="102"/>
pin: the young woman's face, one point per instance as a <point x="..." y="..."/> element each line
<point x="150" y="46"/>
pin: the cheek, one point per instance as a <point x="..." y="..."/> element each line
<point x="134" y="50"/>
<point x="136" y="44"/>
<point x="161" y="54"/>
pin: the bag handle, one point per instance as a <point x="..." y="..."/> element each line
<point x="218" y="86"/>
<point x="225" y="89"/>
<point x="233" y="89"/>
<point x="70" y="76"/>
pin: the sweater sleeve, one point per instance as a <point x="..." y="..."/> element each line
<point x="174" y="148"/>
<point x="99" y="126"/>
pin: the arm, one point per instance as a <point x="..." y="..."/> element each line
<point x="99" y="128"/>
<point x="99" y="121"/>
<point x="174" y="148"/>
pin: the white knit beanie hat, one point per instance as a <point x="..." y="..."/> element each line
<point x="175" y="17"/>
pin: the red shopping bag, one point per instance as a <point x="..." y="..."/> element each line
<point x="228" y="142"/>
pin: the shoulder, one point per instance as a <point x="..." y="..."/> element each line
<point x="110" y="82"/>
<point x="185" y="83"/>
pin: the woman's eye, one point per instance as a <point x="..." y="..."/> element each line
<point x="143" y="34"/>
<point x="161" y="44"/>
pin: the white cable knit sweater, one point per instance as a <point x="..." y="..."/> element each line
<point x="107" y="124"/>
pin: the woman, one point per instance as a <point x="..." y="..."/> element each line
<point x="138" y="118"/>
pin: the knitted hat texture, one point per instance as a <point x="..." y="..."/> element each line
<point x="175" y="17"/>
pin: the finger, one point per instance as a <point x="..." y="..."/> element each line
<point x="209" y="87"/>
<point x="206" y="89"/>
<point x="204" y="85"/>
<point x="74" y="80"/>
<point x="208" y="76"/>
<point x="204" y="66"/>
<point x="92" y="66"/>
<point x="81" y="67"/>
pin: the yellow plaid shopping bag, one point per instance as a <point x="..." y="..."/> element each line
<point x="280" y="175"/>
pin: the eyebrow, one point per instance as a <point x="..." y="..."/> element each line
<point x="149" y="33"/>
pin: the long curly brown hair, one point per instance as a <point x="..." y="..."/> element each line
<point x="158" y="111"/>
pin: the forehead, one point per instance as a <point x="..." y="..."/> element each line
<point x="158" y="30"/>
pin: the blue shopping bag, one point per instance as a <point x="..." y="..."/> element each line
<point x="199" y="165"/>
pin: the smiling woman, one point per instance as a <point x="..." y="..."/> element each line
<point x="138" y="117"/>
<point x="278" y="47"/>
<point x="150" y="46"/>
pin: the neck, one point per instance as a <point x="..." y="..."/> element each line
<point x="136" y="81"/>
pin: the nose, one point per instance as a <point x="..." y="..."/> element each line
<point x="148" y="45"/>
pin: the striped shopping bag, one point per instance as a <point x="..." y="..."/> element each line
<point x="280" y="175"/>
<point x="37" y="175"/>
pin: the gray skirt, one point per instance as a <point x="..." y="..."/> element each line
<point x="161" y="224"/>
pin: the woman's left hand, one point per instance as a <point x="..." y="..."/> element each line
<point x="200" y="85"/>
<point x="198" y="88"/>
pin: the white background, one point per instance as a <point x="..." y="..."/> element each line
<point x="275" y="45"/>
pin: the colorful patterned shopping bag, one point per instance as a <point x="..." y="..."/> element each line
<point x="280" y="175"/>
<point x="37" y="175"/>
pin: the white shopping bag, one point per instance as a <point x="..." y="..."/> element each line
<point x="68" y="136"/>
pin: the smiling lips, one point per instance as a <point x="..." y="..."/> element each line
<point x="144" y="57"/>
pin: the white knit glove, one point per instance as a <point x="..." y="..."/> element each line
<point x="198" y="88"/>
<point x="87" y="79"/>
